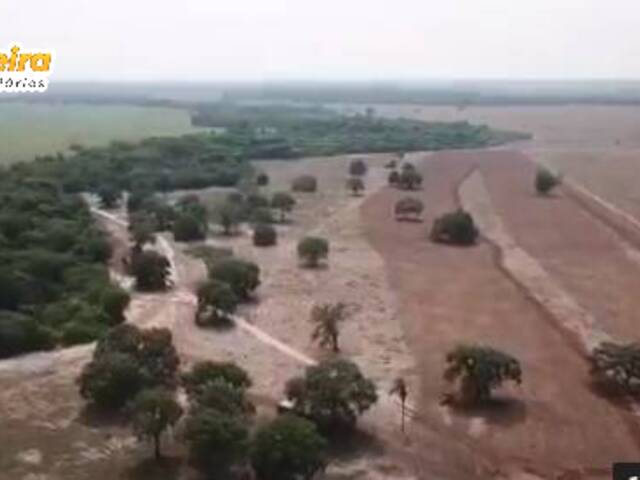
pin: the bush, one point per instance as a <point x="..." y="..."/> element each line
<point x="456" y="228"/>
<point x="355" y="184"/>
<point x="313" y="249"/>
<point x="617" y="365"/>
<point x="262" y="179"/>
<point x="546" y="181"/>
<point x="114" y="301"/>
<point x="241" y="275"/>
<point x="357" y="168"/>
<point x="480" y="370"/>
<point x="262" y="216"/>
<point x="204" y="373"/>
<point x="255" y="200"/>
<point x="408" y="208"/>
<point x="229" y="216"/>
<point x="409" y="179"/>
<point x="288" y="448"/>
<point x="76" y="333"/>
<point x="151" y="271"/>
<point x="264" y="235"/>
<point x="284" y="202"/>
<point x="394" y="178"/>
<point x="216" y="302"/>
<point x="305" y="184"/>
<point x="333" y="394"/>
<point x="187" y="228"/>
<point x="20" y="333"/>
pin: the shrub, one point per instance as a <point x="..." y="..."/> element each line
<point x="241" y="275"/>
<point x="480" y="370"/>
<point x="262" y="216"/>
<point x="229" y="216"/>
<point x="255" y="200"/>
<point x="151" y="270"/>
<point x="114" y="301"/>
<point x="216" y="302"/>
<point x="546" y="181"/>
<point x="305" y="184"/>
<point x="408" y="208"/>
<point x="264" y="235"/>
<point x="617" y="365"/>
<point x="313" y="249"/>
<point x="456" y="228"/>
<point x="409" y="179"/>
<point x="355" y="184"/>
<point x="357" y="168"/>
<point x="187" y="228"/>
<point x="333" y="394"/>
<point x="216" y="442"/>
<point x="207" y="372"/>
<point x="288" y="448"/>
<point x="262" y="179"/>
<point x="77" y="333"/>
<point x="394" y="178"/>
<point x="284" y="202"/>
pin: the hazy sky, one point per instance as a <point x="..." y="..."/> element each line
<point x="209" y="40"/>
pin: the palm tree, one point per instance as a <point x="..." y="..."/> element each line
<point x="326" y="318"/>
<point x="400" y="389"/>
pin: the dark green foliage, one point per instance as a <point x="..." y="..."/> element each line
<point x="356" y="185"/>
<point x="109" y="196"/>
<point x="142" y="228"/>
<point x="127" y="360"/>
<point x="187" y="228"/>
<point x="456" y="228"/>
<point x="264" y="235"/>
<point x="216" y="441"/>
<point x="333" y="394"/>
<point x="357" y="168"/>
<point x="222" y="397"/>
<point x="153" y="411"/>
<point x="151" y="271"/>
<point x="114" y="302"/>
<point x="204" y="373"/>
<point x="480" y="369"/>
<point x="288" y="448"/>
<point x="216" y="302"/>
<point x="408" y="208"/>
<point x="241" y="275"/>
<point x="313" y="249"/>
<point x="617" y="365"/>
<point x="546" y="181"/>
<point x="21" y="333"/>
<point x="284" y="202"/>
<point x="304" y="184"/>
<point x="76" y="333"/>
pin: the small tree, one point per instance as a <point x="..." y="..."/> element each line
<point x="264" y="235"/>
<point x="216" y="442"/>
<point x="356" y="185"/>
<point x="333" y="394"/>
<point x="288" y="448"/>
<point x="326" y="319"/>
<point x="394" y="178"/>
<point x="304" y="184"/>
<point x="151" y="271"/>
<point x="546" y="181"/>
<point x="480" y="369"/>
<point x="313" y="249"/>
<point x="262" y="215"/>
<point x="205" y="373"/>
<point x="358" y="168"/>
<point x="216" y="302"/>
<point x="142" y="230"/>
<point x="255" y="200"/>
<point x="284" y="202"/>
<point x="228" y="216"/>
<point x="153" y="412"/>
<point x="409" y="178"/>
<point x="408" y="208"/>
<point x="187" y="228"/>
<point x="241" y="275"/>
<point x="456" y="228"/>
<point x="114" y="301"/>
<point x="262" y="179"/>
<point x="400" y="389"/>
<point x="617" y="364"/>
<point x="109" y="196"/>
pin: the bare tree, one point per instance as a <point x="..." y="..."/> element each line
<point x="327" y="318"/>
<point x="400" y="390"/>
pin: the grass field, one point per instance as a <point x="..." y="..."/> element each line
<point x="27" y="130"/>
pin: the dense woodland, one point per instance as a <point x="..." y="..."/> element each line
<point x="54" y="284"/>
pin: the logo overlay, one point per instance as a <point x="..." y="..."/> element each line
<point x="22" y="70"/>
<point x="626" y="471"/>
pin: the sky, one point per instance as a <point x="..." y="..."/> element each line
<point x="262" y="40"/>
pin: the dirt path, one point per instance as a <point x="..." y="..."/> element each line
<point x="448" y="295"/>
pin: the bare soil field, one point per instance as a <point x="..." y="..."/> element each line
<point x="549" y="427"/>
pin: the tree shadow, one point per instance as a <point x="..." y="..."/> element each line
<point x="498" y="410"/>
<point x="167" y="468"/>
<point x="409" y="219"/>
<point x="611" y="392"/>
<point x="93" y="416"/>
<point x="344" y="445"/>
